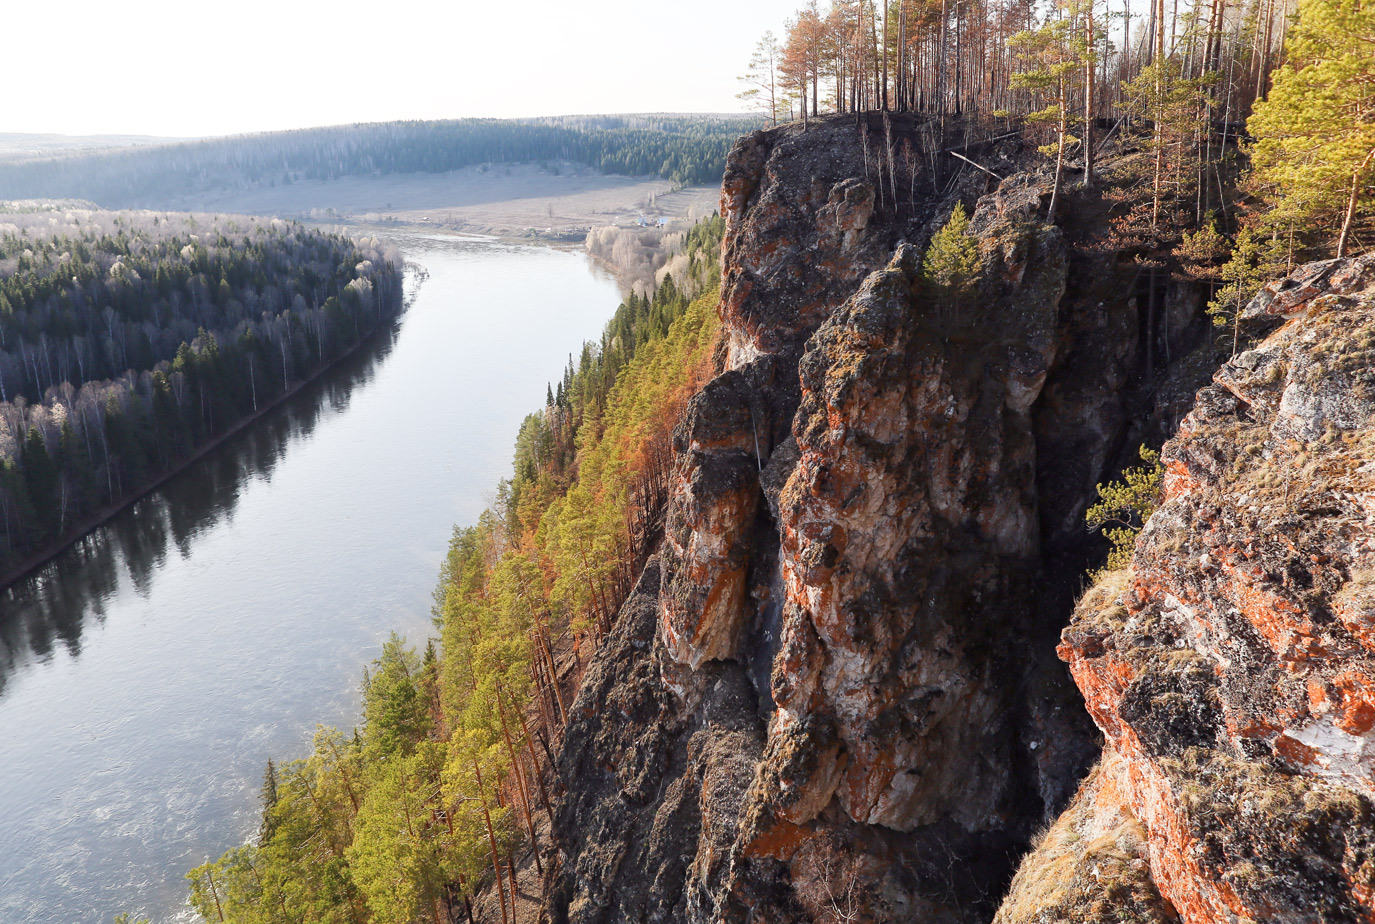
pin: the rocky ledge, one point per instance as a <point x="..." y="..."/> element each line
<point x="1231" y="669"/>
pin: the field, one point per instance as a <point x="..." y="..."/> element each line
<point x="525" y="200"/>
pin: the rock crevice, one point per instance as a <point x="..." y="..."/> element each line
<point x="1231" y="668"/>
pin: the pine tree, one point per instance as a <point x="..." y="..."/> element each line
<point x="951" y="264"/>
<point x="1255" y="261"/>
<point x="1056" y="54"/>
<point x="1124" y="507"/>
<point x="397" y="856"/>
<point x="1315" y="134"/>
<point x="762" y="87"/>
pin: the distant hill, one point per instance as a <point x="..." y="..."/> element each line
<point x="689" y="149"/>
<point x="31" y="145"/>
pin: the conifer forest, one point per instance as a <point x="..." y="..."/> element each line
<point x="131" y="339"/>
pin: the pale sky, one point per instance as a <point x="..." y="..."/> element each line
<point x="200" y="67"/>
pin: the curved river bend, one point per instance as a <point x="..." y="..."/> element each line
<point x="147" y="674"/>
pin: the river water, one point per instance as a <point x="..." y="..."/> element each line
<point x="147" y="675"/>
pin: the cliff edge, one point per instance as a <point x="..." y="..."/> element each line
<point x="834" y="694"/>
<point x="1230" y="667"/>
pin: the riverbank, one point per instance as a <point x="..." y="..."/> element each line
<point x="36" y="561"/>
<point x="148" y="675"/>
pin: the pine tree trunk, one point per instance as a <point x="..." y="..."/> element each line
<point x="940" y="66"/>
<point x="883" y="46"/>
<point x="216" y="894"/>
<point x="539" y="776"/>
<point x="467" y="905"/>
<point x="1126" y="43"/>
<point x="902" y="57"/>
<point x="1265" y="51"/>
<point x="492" y="843"/>
<point x="1063" y="130"/>
<point x="553" y="674"/>
<point x="542" y="695"/>
<point x="520" y="781"/>
<point x="348" y="783"/>
<point x="1159" y="16"/>
<point x="1351" y="204"/>
<point x="1088" y="100"/>
<point x="857" y="85"/>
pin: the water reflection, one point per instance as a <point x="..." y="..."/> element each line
<point x="152" y="671"/>
<point x="51" y="608"/>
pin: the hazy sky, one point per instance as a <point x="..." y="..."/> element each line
<point x="202" y="68"/>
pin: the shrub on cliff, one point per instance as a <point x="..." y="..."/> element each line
<point x="951" y="264"/>
<point x="1124" y="507"/>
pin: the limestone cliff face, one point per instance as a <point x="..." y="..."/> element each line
<point x="1232" y="668"/>
<point x="835" y="691"/>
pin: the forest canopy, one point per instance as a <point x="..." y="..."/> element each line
<point x="130" y="339"/>
<point x="1251" y="123"/>
<point x="447" y="781"/>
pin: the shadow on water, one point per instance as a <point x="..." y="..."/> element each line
<point x="50" y="609"/>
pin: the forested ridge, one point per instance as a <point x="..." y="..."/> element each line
<point x="1192" y="93"/>
<point x="446" y="782"/>
<point x="683" y="149"/>
<point x="130" y="339"/>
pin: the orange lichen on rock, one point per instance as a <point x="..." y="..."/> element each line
<point x="1230" y="670"/>
<point x="1092" y="866"/>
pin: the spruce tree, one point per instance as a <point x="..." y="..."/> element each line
<point x="269" y="798"/>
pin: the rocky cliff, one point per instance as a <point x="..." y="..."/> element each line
<point x="835" y="695"/>
<point x="1230" y="668"/>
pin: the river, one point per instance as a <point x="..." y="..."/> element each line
<point x="147" y="674"/>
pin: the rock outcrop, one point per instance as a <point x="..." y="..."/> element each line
<point x="1091" y="866"/>
<point x="836" y="690"/>
<point x="651" y="813"/>
<point x="1232" y="667"/>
